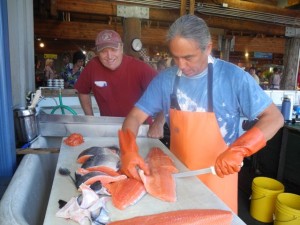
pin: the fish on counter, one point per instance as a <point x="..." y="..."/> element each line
<point x="74" y="139"/>
<point x="107" y="163"/>
<point x="181" y="217"/>
<point x="96" y="150"/>
<point x="126" y="192"/>
<point x="94" y="176"/>
<point x="103" y="159"/>
<point x="160" y="183"/>
<point x="88" y="208"/>
<point x="99" y="164"/>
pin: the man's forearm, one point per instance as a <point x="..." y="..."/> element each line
<point x="134" y="119"/>
<point x="86" y="104"/>
<point x="270" y="121"/>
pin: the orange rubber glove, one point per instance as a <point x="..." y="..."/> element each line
<point x="230" y="161"/>
<point x="131" y="161"/>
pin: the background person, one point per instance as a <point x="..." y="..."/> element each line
<point x="116" y="80"/>
<point x="71" y="75"/>
<point x="49" y="70"/>
<point x="275" y="79"/>
<point x="252" y="72"/>
<point x="202" y="99"/>
<point x="161" y="65"/>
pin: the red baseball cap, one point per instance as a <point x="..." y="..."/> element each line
<point x="107" y="38"/>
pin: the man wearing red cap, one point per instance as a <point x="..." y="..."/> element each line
<point x="116" y="80"/>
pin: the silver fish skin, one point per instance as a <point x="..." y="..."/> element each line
<point x="96" y="150"/>
<point x="106" y="159"/>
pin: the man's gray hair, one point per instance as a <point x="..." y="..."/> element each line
<point x="190" y="27"/>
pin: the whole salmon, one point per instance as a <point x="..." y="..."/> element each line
<point x="182" y="217"/>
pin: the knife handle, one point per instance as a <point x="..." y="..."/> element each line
<point x="213" y="171"/>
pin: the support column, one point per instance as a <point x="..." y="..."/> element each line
<point x="131" y="30"/>
<point x="290" y="62"/>
<point x="7" y="138"/>
<point x="225" y="46"/>
<point x="183" y="7"/>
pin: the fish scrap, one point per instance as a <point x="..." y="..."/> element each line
<point x="85" y="209"/>
<point x="74" y="139"/>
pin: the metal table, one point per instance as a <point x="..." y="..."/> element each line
<point x="191" y="192"/>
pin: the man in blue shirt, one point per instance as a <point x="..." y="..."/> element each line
<point x="202" y="99"/>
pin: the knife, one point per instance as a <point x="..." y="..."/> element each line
<point x="192" y="173"/>
<point x="195" y="172"/>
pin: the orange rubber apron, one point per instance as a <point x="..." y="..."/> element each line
<point x="197" y="142"/>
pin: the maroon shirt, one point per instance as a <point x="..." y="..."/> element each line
<point x="116" y="91"/>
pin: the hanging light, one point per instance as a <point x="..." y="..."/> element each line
<point x="42" y="45"/>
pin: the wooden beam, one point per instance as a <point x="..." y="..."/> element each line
<point x="150" y="36"/>
<point x="243" y="25"/>
<point x="89" y="31"/>
<point x="256" y="7"/>
<point x="110" y="9"/>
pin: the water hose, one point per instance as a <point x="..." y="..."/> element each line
<point x="62" y="107"/>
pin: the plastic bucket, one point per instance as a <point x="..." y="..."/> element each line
<point x="287" y="209"/>
<point x="264" y="193"/>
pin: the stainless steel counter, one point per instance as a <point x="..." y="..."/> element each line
<point x="191" y="192"/>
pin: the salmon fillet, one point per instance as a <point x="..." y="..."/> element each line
<point x="126" y="192"/>
<point x="160" y="183"/>
<point x="181" y="217"/>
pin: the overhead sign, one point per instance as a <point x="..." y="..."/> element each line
<point x="50" y="56"/>
<point x="263" y="55"/>
<point x="133" y="11"/>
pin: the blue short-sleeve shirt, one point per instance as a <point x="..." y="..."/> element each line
<point x="235" y="94"/>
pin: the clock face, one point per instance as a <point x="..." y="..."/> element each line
<point x="136" y="45"/>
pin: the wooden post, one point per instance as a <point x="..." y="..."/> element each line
<point x="291" y="62"/>
<point x="131" y="30"/>
<point x="183" y="7"/>
<point x="192" y="7"/>
<point x="224" y="47"/>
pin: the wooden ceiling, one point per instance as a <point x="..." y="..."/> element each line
<point x="69" y="25"/>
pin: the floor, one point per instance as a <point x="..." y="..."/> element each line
<point x="245" y="181"/>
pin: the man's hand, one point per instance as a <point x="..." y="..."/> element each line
<point x="130" y="158"/>
<point x="230" y="161"/>
<point x="156" y="129"/>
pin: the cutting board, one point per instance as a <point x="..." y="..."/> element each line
<point x="191" y="192"/>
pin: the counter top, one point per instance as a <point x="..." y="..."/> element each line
<point x="191" y="192"/>
<point x="291" y="126"/>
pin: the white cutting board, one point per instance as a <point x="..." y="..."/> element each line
<point x="191" y="192"/>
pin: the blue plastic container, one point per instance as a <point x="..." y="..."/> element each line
<point x="286" y="108"/>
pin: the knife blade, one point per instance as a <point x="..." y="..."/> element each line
<point x="195" y="172"/>
<point x="192" y="173"/>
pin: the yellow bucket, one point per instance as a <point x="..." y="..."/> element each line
<point x="264" y="193"/>
<point x="287" y="209"/>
